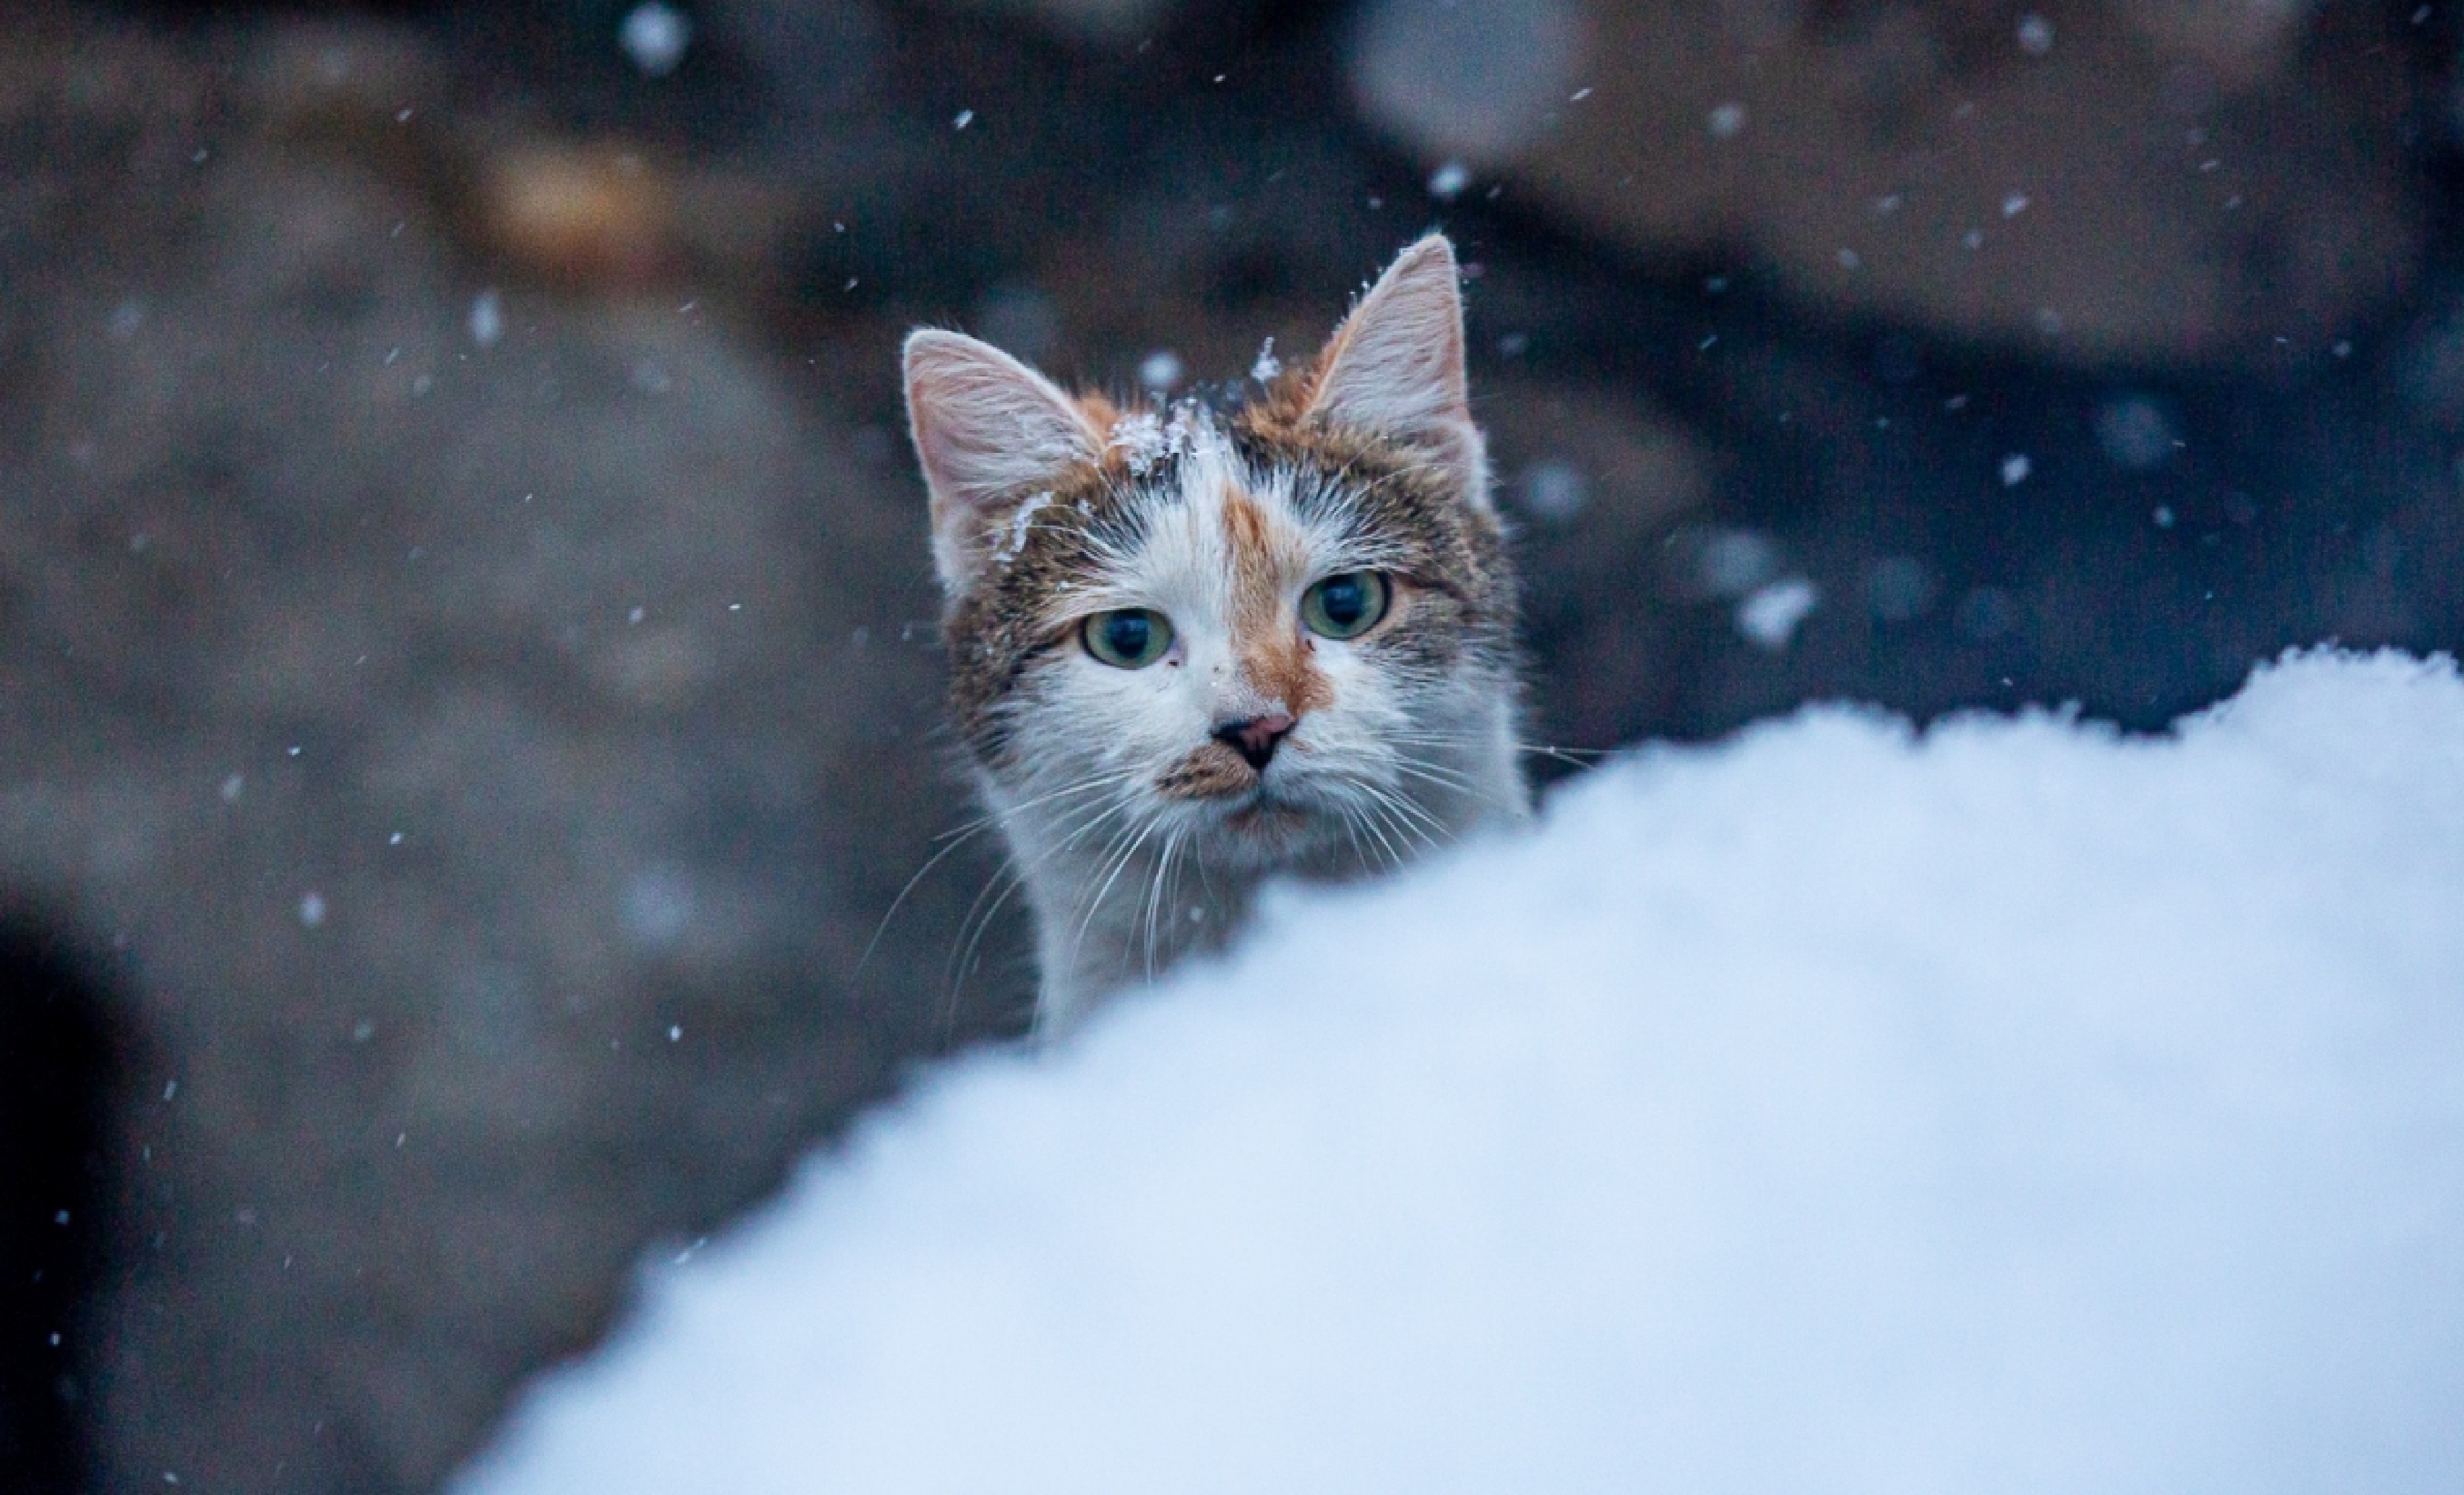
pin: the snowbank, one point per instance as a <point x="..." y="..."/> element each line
<point x="2011" y="1109"/>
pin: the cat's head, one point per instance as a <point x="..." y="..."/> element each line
<point x="1281" y="630"/>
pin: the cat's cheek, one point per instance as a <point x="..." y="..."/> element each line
<point x="1402" y="600"/>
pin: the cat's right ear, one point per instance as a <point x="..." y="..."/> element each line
<point x="987" y="429"/>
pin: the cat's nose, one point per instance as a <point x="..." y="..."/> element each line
<point x="1254" y="740"/>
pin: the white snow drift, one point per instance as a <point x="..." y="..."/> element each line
<point x="2013" y="1107"/>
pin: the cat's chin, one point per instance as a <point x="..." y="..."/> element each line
<point x="1264" y="831"/>
<point x="1267" y="817"/>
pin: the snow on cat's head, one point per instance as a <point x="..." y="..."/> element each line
<point x="1277" y="639"/>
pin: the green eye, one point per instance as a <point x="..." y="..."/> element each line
<point x="1345" y="606"/>
<point x="1131" y="638"/>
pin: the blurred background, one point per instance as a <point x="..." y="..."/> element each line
<point x="469" y="700"/>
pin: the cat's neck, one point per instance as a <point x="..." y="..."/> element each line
<point x="1119" y="910"/>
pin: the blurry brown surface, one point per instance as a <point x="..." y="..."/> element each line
<point x="2146" y="183"/>
<point x="488" y="724"/>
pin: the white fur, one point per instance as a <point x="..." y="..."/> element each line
<point x="1123" y="878"/>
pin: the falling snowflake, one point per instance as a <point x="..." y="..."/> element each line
<point x="1768" y="615"/>
<point x="1160" y="370"/>
<point x="1267" y="366"/>
<point x="655" y="36"/>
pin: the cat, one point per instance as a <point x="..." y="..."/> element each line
<point x="1195" y="649"/>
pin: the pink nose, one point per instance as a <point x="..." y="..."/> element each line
<point x="1254" y="740"/>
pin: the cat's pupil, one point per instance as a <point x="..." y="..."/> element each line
<point x="1127" y="633"/>
<point x="1345" y="601"/>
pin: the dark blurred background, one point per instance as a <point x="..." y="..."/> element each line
<point x="468" y="695"/>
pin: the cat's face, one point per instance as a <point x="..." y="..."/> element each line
<point x="1255" y="639"/>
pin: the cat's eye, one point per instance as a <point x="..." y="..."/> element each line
<point x="1345" y="606"/>
<point x="1128" y="638"/>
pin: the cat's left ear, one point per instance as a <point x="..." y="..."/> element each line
<point x="1396" y="366"/>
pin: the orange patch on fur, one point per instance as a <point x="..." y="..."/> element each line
<point x="1101" y="412"/>
<point x="1249" y="542"/>
<point x="1274" y="656"/>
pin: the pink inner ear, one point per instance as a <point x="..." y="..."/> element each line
<point x="988" y="429"/>
<point x="1396" y="364"/>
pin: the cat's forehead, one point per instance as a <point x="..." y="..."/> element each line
<point x="1194" y="485"/>
<point x="1188" y="506"/>
<point x="1191" y="484"/>
<point x="1205" y="523"/>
